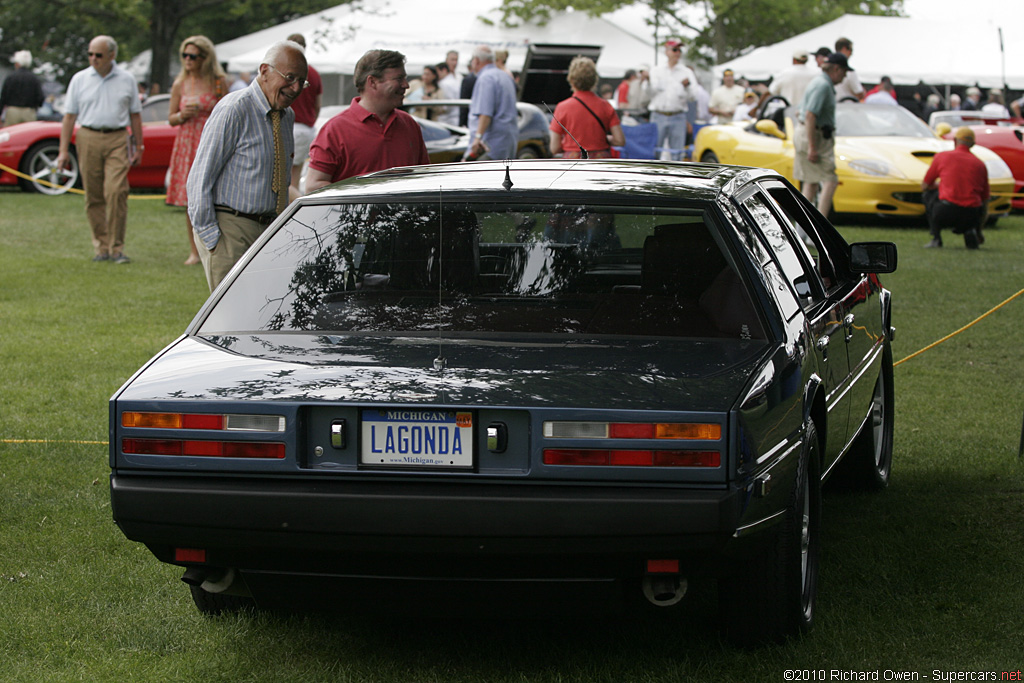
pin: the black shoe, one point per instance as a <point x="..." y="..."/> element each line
<point x="971" y="239"/>
<point x="121" y="258"/>
<point x="101" y="257"/>
<point x="936" y="242"/>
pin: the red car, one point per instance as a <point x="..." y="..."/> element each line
<point x="1005" y="137"/>
<point x="32" y="149"/>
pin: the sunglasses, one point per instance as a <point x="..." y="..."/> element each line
<point x="97" y="55"/>
<point x="189" y="55"/>
<point x="676" y="49"/>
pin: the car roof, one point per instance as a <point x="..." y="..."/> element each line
<point x="614" y="178"/>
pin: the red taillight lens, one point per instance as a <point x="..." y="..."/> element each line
<point x="216" y="449"/>
<point x="189" y="555"/>
<point x="191" y="421"/>
<point x="631" y="458"/>
<point x="628" y="430"/>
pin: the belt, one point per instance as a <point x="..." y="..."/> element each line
<point x="104" y="130"/>
<point x="669" y="113"/>
<point x="267" y="217"/>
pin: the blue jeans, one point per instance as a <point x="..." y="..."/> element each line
<point x="671" y="131"/>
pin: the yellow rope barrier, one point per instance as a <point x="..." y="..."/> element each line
<point x="953" y="334"/>
<point x="19" y="174"/>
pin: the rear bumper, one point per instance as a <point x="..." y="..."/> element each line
<point x="421" y="530"/>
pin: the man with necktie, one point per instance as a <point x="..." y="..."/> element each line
<point x="240" y="178"/>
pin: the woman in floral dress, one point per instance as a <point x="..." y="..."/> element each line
<point x="198" y="87"/>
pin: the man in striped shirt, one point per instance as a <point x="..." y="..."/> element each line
<point x="232" y="196"/>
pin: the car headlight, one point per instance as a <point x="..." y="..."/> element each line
<point x="877" y="168"/>
<point x="4" y="137"/>
<point x="997" y="169"/>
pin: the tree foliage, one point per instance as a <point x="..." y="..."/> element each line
<point x="717" y="30"/>
<point x="58" y="31"/>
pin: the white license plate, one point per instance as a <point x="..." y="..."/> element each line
<point x="417" y="438"/>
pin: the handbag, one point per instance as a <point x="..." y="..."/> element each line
<point x="614" y="153"/>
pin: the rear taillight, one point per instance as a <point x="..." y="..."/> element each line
<point x="230" y="423"/>
<point x="196" y="448"/>
<point x="632" y="430"/>
<point x="631" y="458"/>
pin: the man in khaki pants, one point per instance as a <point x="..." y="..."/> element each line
<point x="104" y="99"/>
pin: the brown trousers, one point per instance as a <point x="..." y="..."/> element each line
<point x="103" y="160"/>
<point x="237" y="234"/>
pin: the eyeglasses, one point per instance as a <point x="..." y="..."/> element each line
<point x="676" y="49"/>
<point x="97" y="55"/>
<point x="192" y="56"/>
<point x="290" y="79"/>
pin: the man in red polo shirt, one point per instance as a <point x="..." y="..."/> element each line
<point x="372" y="134"/>
<point x="956" y="192"/>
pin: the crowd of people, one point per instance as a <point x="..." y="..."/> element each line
<point x="241" y="144"/>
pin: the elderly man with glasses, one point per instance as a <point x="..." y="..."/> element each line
<point x="241" y="177"/>
<point x="103" y="99"/>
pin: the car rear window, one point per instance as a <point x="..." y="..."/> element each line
<point x="480" y="269"/>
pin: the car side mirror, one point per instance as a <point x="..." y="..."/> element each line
<point x="769" y="127"/>
<point x="873" y="257"/>
<point x="943" y="129"/>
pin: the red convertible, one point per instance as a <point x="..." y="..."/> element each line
<point x="1003" y="136"/>
<point x="31" y="149"/>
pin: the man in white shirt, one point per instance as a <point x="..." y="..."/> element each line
<point x="725" y="98"/>
<point x="850" y="87"/>
<point x="670" y="98"/>
<point x="792" y="81"/>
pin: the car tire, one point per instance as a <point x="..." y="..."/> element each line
<point x="869" y="463"/>
<point x="709" y="157"/>
<point x="772" y="595"/>
<point x="218" y="603"/>
<point x="38" y="163"/>
<point x="529" y="152"/>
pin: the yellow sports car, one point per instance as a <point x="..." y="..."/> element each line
<point x="882" y="154"/>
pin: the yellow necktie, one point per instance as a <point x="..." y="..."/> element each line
<point x="279" y="184"/>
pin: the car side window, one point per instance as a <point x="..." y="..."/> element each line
<point x="803" y="279"/>
<point x="802" y="226"/>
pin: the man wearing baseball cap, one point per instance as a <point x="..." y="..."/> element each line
<point x="670" y="98"/>
<point x="814" y="160"/>
<point x="956" y="192"/>
<point x="792" y="81"/>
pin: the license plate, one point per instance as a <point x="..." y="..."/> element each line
<point x="417" y="438"/>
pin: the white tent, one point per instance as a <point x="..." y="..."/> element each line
<point x="424" y="32"/>
<point x="909" y="51"/>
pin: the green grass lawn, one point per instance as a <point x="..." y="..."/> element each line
<point x="926" y="576"/>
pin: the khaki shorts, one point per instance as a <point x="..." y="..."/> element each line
<point x="822" y="170"/>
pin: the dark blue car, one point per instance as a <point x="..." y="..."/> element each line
<point x="530" y="371"/>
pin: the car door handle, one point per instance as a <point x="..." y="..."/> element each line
<point x="823" y="342"/>
<point x="848" y="323"/>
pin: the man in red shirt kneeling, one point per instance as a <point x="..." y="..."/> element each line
<point x="956" y="192"/>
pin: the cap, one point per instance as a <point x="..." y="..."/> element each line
<point x="728" y="72"/>
<point x="839" y="59"/>
<point x="800" y="55"/>
<point x="673" y="42"/>
<point x="823" y="52"/>
<point x="644" y="67"/>
<point x="964" y="134"/>
<point x="22" y="58"/>
<point x="749" y="93"/>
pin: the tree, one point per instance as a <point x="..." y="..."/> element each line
<point x="58" y="31"/>
<point x="725" y="28"/>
